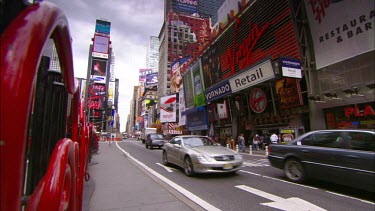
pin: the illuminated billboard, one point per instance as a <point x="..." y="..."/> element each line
<point x="99" y="70"/>
<point x="100" y="47"/>
<point x="151" y="79"/>
<point x="190" y="6"/>
<point x="103" y="27"/>
<point x="143" y="73"/>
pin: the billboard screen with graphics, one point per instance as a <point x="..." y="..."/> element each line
<point x="143" y="73"/>
<point x="96" y="96"/>
<point x="99" y="67"/>
<point x="288" y="93"/>
<point x="168" y="108"/>
<point x="190" y="6"/>
<point x="188" y="89"/>
<point x="257" y="34"/>
<point x="340" y="29"/>
<point x="152" y="79"/>
<point x="176" y="78"/>
<point x="199" y="99"/>
<point x="100" y="47"/>
<point x="103" y="27"/>
<point x="98" y="70"/>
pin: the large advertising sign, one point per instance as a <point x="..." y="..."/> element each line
<point x="111" y="95"/>
<point x="168" y="108"/>
<point x="182" y="108"/>
<point x="288" y="92"/>
<point x="211" y="66"/>
<point x="100" y="48"/>
<point x="103" y="27"/>
<point x="99" y="70"/>
<point x="96" y="96"/>
<point x="188" y="6"/>
<point x="255" y="35"/>
<point x="152" y="79"/>
<point x="143" y="73"/>
<point x="199" y="99"/>
<point x="340" y="29"/>
<point x="188" y="89"/>
<point x="176" y="78"/>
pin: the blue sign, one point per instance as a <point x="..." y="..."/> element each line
<point x="188" y="6"/>
<point x="291" y="67"/>
<point x="151" y="79"/>
<point x="218" y="91"/>
<point x="103" y="27"/>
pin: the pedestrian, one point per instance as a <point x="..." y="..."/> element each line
<point x="266" y="140"/>
<point x="256" y="141"/>
<point x="241" y="142"/>
<point x="274" y="138"/>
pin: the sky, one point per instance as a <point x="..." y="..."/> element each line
<point x="132" y="23"/>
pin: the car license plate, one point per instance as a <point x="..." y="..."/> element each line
<point x="227" y="166"/>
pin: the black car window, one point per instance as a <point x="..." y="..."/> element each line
<point x="308" y="140"/>
<point x="361" y="141"/>
<point x="320" y="139"/>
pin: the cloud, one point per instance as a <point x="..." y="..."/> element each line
<point x="132" y="23"/>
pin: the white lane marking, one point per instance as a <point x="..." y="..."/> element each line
<point x="165" y="167"/>
<point x="350" y="197"/>
<point x="358" y="199"/>
<point x="188" y="194"/>
<point x="248" y="172"/>
<point x="290" y="204"/>
<point x="290" y="182"/>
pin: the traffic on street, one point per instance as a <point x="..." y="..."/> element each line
<point x="257" y="186"/>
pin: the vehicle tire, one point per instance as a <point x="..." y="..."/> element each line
<point x="151" y="147"/>
<point x="294" y="171"/>
<point x="165" y="159"/>
<point x="188" y="167"/>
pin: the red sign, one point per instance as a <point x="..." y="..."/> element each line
<point x="354" y="111"/>
<point x="258" y="100"/>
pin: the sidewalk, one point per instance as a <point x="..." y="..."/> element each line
<point x="117" y="183"/>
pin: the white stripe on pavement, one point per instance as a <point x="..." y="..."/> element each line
<point x="188" y="194"/>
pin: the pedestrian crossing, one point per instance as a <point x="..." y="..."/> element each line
<point x="256" y="163"/>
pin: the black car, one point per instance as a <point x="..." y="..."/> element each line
<point x="154" y="140"/>
<point x="344" y="157"/>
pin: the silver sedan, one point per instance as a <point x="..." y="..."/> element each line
<point x="199" y="154"/>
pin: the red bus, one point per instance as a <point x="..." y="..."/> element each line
<point x="44" y="137"/>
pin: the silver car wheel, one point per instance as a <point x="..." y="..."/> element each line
<point x="188" y="167"/>
<point x="165" y="159"/>
<point x="294" y="171"/>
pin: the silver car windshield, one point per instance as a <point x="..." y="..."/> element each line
<point x="197" y="142"/>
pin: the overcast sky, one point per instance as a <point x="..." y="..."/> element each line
<point x="132" y="22"/>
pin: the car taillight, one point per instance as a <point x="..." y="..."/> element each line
<point x="269" y="149"/>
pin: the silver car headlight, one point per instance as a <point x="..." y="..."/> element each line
<point x="205" y="158"/>
<point x="238" y="157"/>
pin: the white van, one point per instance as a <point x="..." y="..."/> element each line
<point x="145" y="132"/>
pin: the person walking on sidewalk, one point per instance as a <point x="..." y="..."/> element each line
<point x="241" y="142"/>
<point x="256" y="141"/>
<point x="274" y="138"/>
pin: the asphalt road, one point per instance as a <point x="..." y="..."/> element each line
<point x="258" y="186"/>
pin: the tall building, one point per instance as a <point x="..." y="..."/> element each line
<point x="204" y="8"/>
<point x="180" y="36"/>
<point x="152" y="55"/>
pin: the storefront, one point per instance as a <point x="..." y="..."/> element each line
<point x="354" y="116"/>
